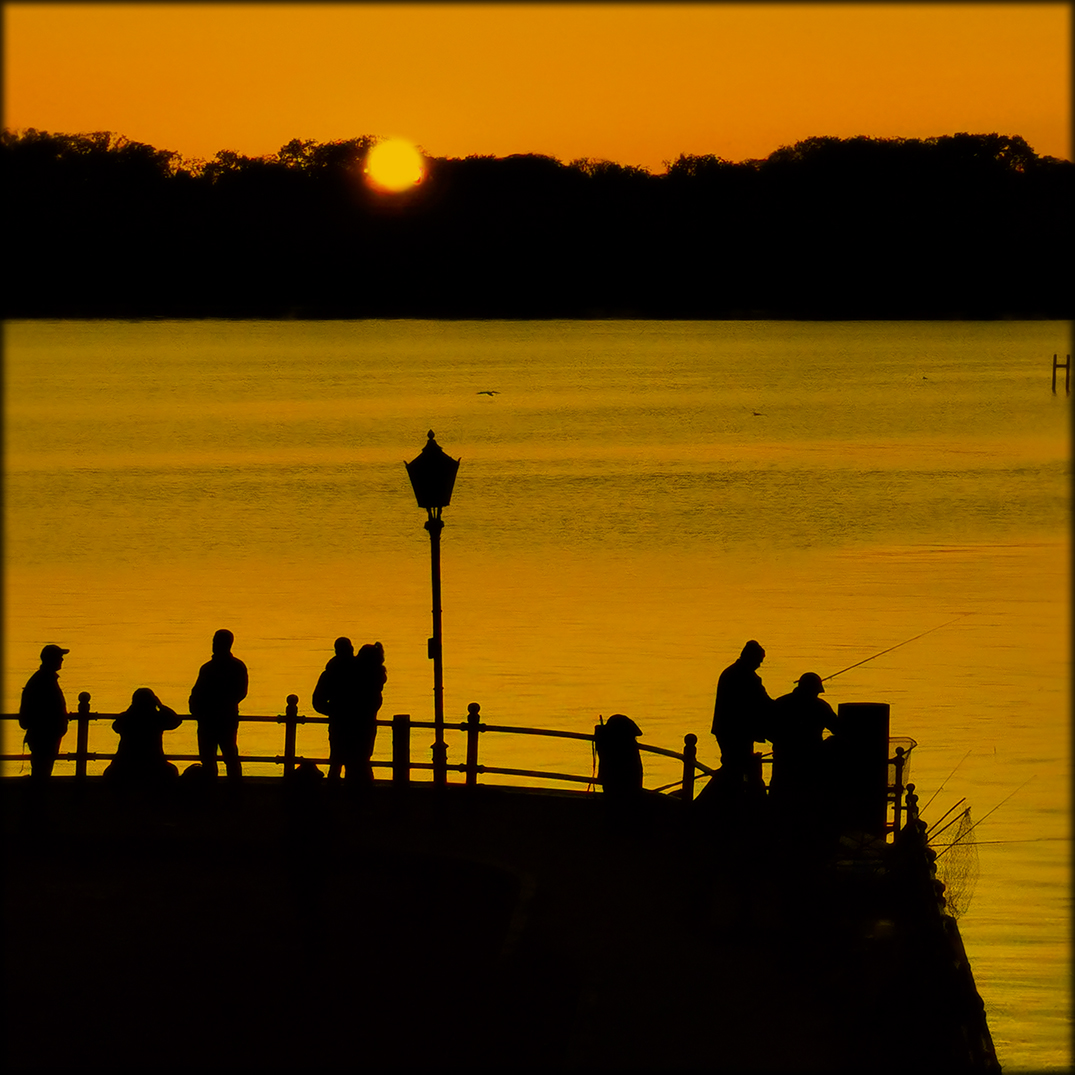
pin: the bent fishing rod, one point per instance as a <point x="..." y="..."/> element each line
<point x="825" y="679"/>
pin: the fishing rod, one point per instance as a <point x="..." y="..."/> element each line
<point x="945" y="814"/>
<point x="959" y="817"/>
<point x="891" y="648"/>
<point x="981" y="819"/>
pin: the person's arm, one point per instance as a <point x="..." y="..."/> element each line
<point x="169" y="718"/>
<point x="243" y="682"/>
<point x="195" y="701"/>
<point x="320" y="698"/>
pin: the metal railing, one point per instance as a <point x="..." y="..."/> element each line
<point x="401" y="764"/>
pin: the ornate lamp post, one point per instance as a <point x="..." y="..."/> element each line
<point x="432" y="477"/>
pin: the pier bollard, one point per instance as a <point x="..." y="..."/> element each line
<point x="82" y="741"/>
<point x="690" y="752"/>
<point x="401" y="749"/>
<point x="473" y="731"/>
<point x="291" y="720"/>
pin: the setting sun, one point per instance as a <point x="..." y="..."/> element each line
<point x="394" y="165"/>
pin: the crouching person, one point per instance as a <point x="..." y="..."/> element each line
<point x="619" y="761"/>
<point x="140" y="756"/>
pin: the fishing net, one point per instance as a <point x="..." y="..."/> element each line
<point x="957" y="866"/>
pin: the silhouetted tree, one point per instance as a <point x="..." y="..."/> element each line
<point x="957" y="225"/>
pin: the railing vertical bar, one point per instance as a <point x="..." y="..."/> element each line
<point x="291" y="720"/>
<point x="898" y="804"/>
<point x="473" y="730"/>
<point x="401" y="749"/>
<point x="690" y="752"/>
<point x="82" y="742"/>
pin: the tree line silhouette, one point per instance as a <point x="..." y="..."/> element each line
<point x="963" y="225"/>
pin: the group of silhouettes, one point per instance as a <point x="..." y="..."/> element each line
<point x="743" y="714"/>
<point x="348" y="692"/>
<point x="794" y="724"/>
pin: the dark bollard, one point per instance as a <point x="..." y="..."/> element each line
<point x="473" y="731"/>
<point x="401" y="750"/>
<point x="82" y="742"/>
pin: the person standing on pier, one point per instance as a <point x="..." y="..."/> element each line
<point x="336" y="697"/>
<point x="43" y="713"/>
<point x="214" y="702"/>
<point x="740" y="715"/>
<point x="349" y="693"/>
<point x="372" y="676"/>
<point x="796" y="727"/>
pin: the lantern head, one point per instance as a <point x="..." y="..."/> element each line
<point x="432" y="476"/>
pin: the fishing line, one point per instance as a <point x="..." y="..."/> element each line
<point x="945" y="781"/>
<point x="1019" y="840"/>
<point x="891" y="648"/>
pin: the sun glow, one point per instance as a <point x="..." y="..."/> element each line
<point x="394" y="165"/>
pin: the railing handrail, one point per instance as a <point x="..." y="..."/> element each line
<point x="401" y="762"/>
<point x="292" y="718"/>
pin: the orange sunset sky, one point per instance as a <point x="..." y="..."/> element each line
<point x="636" y="83"/>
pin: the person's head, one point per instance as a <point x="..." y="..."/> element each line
<point x="223" y="640"/>
<point x="371" y="653"/>
<point x="52" y="656"/>
<point x="143" y="698"/>
<point x="343" y="647"/>
<point x="752" y="654"/>
<point x="809" y="683"/>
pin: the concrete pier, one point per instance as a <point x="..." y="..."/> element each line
<point x="303" y="927"/>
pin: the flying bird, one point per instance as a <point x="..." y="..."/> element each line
<point x="757" y="414"/>
<point x="488" y="392"/>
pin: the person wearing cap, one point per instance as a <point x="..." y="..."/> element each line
<point x="214" y="702"/>
<point x="740" y="715"/>
<point x="43" y="713"/>
<point x="797" y="725"/>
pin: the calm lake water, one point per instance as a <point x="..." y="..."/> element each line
<point x="635" y="501"/>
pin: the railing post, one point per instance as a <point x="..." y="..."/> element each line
<point x="898" y="804"/>
<point x="690" y="752"/>
<point x="82" y="741"/>
<point x="291" y="720"/>
<point x="401" y="749"/>
<point x="473" y="730"/>
<point x="912" y="806"/>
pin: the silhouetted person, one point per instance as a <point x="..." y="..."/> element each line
<point x="214" y="702"/>
<point x="43" y="713"/>
<point x="349" y="692"/>
<point x="797" y="723"/>
<point x="740" y="713"/>
<point x="140" y="755"/>
<point x="372" y="676"/>
<point x="619" y="761"/>
<point x="336" y="697"/>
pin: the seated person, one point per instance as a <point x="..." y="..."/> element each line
<point x="140" y="754"/>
